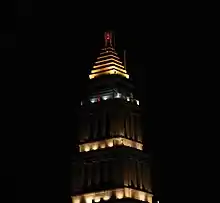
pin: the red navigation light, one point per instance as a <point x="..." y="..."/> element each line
<point x="99" y="99"/>
<point x="107" y="36"/>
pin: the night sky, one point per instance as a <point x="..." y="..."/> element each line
<point x="47" y="75"/>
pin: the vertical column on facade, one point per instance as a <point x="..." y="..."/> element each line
<point x="90" y="126"/>
<point x="139" y="174"/>
<point x="103" y="126"/>
<point x="125" y="172"/>
<point x="84" y="128"/>
<point x="111" y="127"/>
<point x="139" y="129"/>
<point x="142" y="174"/>
<point x="121" y="123"/>
<point x="132" y="127"/>
<point x="96" y="173"/>
<point x="129" y="172"/>
<point x="118" y="172"/>
<point x="89" y="174"/>
<point x="107" y="124"/>
<point x="148" y="178"/>
<point x="124" y="125"/>
<point x="77" y="177"/>
<point x="134" y="173"/>
<point x="112" y="171"/>
<point x="95" y="126"/>
<point x="105" y="167"/>
<point x="81" y="180"/>
<point x="145" y="178"/>
<point x="115" y="127"/>
<point x="99" y="127"/>
<point x="115" y="171"/>
<point x="129" y="126"/>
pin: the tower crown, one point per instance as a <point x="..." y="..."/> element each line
<point x="108" y="62"/>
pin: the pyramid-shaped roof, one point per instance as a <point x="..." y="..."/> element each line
<point x="108" y="62"/>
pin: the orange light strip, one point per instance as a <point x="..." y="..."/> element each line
<point x="109" y="60"/>
<point x="112" y="71"/>
<point x="110" y="143"/>
<point x="108" y="68"/>
<point x="119" y="193"/>
<point x="108" y="48"/>
<point x="106" y="52"/>
<point x="111" y="63"/>
<point x="108" y="56"/>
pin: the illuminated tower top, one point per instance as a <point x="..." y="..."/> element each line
<point x="108" y="62"/>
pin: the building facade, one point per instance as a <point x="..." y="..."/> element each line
<point x="111" y="165"/>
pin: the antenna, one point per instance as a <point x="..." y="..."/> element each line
<point x="125" y="59"/>
<point x="108" y="38"/>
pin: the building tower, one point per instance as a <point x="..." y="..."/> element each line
<point x="110" y="166"/>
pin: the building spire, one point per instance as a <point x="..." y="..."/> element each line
<point x="109" y="63"/>
<point x="109" y="39"/>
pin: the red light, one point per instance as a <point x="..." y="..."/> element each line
<point x="107" y="36"/>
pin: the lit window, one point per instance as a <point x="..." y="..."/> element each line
<point x="92" y="100"/>
<point x="89" y="199"/>
<point x="102" y="145"/>
<point x="128" y="99"/>
<point x="97" y="199"/>
<point x="110" y="143"/>
<point x="105" y="97"/>
<point x="87" y="148"/>
<point x="118" y="95"/>
<point x="137" y="102"/>
<point x="107" y="197"/>
<point x="119" y="194"/>
<point x="95" y="146"/>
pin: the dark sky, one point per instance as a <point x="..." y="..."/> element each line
<point x="47" y="72"/>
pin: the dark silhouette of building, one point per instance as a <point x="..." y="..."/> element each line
<point x="110" y="165"/>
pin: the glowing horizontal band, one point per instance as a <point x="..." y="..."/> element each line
<point x="119" y="193"/>
<point x="108" y="68"/>
<point x="111" y="63"/>
<point x="109" y="143"/>
<point x="110" y="55"/>
<point x="106" y="52"/>
<point x="108" y="48"/>
<point x="117" y="61"/>
<point x="91" y="76"/>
